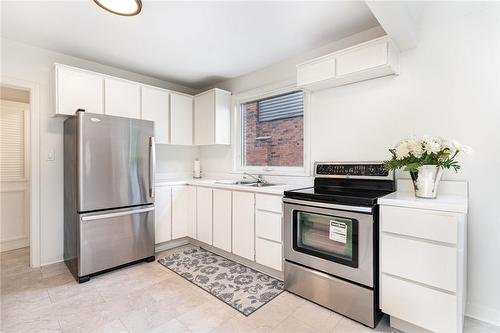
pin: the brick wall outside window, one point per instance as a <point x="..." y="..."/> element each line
<point x="285" y="145"/>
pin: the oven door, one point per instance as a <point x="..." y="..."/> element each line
<point x="327" y="238"/>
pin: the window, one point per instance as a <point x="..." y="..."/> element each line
<point x="272" y="132"/>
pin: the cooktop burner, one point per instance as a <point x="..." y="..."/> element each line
<point x="348" y="197"/>
<point x="347" y="183"/>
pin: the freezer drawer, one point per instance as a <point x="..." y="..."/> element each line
<point x="112" y="238"/>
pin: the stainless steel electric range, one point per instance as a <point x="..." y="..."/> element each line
<point x="331" y="238"/>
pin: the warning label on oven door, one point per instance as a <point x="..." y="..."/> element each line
<point x="338" y="231"/>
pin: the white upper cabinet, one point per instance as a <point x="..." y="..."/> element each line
<point x="212" y="117"/>
<point x="122" y="98"/>
<point x="181" y="119"/>
<point x="155" y="106"/>
<point x="77" y="89"/>
<point x="369" y="60"/>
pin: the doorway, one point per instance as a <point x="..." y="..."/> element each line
<point x="14" y="169"/>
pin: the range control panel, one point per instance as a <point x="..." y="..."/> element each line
<point x="346" y="170"/>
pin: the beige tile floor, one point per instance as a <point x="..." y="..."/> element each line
<point x="148" y="298"/>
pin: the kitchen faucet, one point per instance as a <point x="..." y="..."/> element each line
<point x="259" y="178"/>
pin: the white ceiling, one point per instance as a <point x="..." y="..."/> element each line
<point x="192" y="43"/>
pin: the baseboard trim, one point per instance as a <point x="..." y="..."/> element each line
<point x="483" y="313"/>
<point x="14" y="243"/>
<point x="171" y="244"/>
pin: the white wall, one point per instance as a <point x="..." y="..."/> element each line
<point x="449" y="86"/>
<point x="27" y="63"/>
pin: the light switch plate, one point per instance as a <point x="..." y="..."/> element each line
<point x="51" y="155"/>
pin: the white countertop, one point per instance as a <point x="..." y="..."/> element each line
<point x="444" y="202"/>
<point x="226" y="184"/>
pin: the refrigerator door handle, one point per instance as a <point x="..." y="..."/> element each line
<point x="152" y="166"/>
<point x="110" y="215"/>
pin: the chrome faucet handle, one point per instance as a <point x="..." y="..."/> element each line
<point x="259" y="178"/>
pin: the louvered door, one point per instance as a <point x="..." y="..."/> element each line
<point x="14" y="150"/>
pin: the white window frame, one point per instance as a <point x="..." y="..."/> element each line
<point x="253" y="95"/>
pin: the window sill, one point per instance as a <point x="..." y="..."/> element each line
<point x="284" y="173"/>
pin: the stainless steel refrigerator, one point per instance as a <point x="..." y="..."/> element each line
<point x="109" y="167"/>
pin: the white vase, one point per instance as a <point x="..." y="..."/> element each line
<point x="426" y="181"/>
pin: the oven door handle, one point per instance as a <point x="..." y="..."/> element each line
<point x="327" y="205"/>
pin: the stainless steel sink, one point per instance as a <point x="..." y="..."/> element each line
<point x="246" y="183"/>
<point x="237" y="182"/>
<point x="263" y="184"/>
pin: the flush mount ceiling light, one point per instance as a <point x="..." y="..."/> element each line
<point x="121" y="7"/>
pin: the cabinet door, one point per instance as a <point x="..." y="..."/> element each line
<point x="155" y="107"/>
<point x="222" y="117"/>
<point x="163" y="214"/>
<point x="316" y="71"/>
<point x="183" y="211"/>
<point x="222" y="219"/>
<point x="243" y="224"/>
<point x="181" y="119"/>
<point x="204" y="214"/>
<point x="204" y="118"/>
<point x="362" y="58"/>
<point x="77" y="89"/>
<point x="269" y="254"/>
<point x="122" y="98"/>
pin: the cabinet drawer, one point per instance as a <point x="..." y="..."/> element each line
<point x="427" y="224"/>
<point x="268" y="225"/>
<point x="269" y="254"/>
<point x="272" y="203"/>
<point x="421" y="306"/>
<point x="319" y="70"/>
<point x="362" y="58"/>
<point x="419" y="261"/>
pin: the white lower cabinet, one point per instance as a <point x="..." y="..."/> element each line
<point x="268" y="231"/>
<point x="246" y="224"/>
<point x="222" y="219"/>
<point x="269" y="253"/>
<point x="163" y="214"/>
<point x="422" y="268"/>
<point x="243" y="234"/>
<point x="183" y="211"/>
<point x="204" y="214"/>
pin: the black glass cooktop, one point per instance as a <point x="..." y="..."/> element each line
<point x="338" y="196"/>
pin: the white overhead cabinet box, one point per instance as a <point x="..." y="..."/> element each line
<point x="369" y="60"/>
<point x="212" y="117"/>
<point x="77" y="89"/>
<point x="155" y="106"/>
<point x="181" y="119"/>
<point x="122" y="98"/>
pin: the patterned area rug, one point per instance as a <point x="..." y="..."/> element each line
<point x="239" y="286"/>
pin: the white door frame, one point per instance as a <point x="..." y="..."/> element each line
<point x="34" y="183"/>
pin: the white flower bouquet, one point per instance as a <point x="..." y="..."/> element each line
<point x="425" y="158"/>
<point x="413" y="152"/>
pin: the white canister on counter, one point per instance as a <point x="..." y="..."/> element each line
<point x="197" y="169"/>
